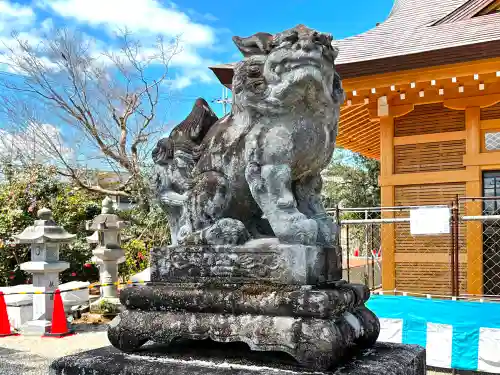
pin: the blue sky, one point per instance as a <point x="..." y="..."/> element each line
<point x="243" y="18"/>
<point x="205" y="26"/>
<point x="205" y="29"/>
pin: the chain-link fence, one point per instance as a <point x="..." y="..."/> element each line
<point x="480" y="218"/>
<point x="360" y="240"/>
<point x="361" y="243"/>
<point x="461" y="260"/>
<point x="371" y="237"/>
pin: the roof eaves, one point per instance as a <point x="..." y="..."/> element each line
<point x="466" y="11"/>
<point x="492" y="8"/>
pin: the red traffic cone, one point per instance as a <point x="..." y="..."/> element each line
<point x="4" y="319"/>
<point x="59" y="327"/>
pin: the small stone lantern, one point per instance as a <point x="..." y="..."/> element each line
<point x="45" y="238"/>
<point x="109" y="254"/>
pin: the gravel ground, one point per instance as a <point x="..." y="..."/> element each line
<point x="32" y="355"/>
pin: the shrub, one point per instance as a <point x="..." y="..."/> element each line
<point x="148" y="229"/>
<point x="136" y="258"/>
<point x="22" y="194"/>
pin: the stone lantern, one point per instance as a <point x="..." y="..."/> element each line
<point x="108" y="254"/>
<point x="45" y="238"/>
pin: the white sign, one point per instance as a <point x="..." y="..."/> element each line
<point x="430" y="220"/>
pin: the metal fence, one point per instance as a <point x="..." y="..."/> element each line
<point x="482" y="243"/>
<point x="360" y="240"/>
<point x="463" y="261"/>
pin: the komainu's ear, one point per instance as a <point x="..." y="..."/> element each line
<point x="257" y="44"/>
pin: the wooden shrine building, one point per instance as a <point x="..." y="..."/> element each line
<point x="423" y="97"/>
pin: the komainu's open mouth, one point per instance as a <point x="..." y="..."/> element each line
<point x="300" y="62"/>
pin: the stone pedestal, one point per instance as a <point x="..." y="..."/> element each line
<point x="109" y="254"/>
<point x="209" y="358"/>
<point x="271" y="296"/>
<point x="45" y="279"/>
<point x="45" y="238"/>
<point x="264" y="260"/>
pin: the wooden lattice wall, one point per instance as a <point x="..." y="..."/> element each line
<point x="428" y="119"/>
<point x="491" y="113"/>
<point x="423" y="262"/>
<point x="429" y="157"/>
<point x="431" y="271"/>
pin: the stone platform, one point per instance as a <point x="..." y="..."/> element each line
<point x="268" y="295"/>
<point x="282" y="300"/>
<point x="317" y="326"/>
<point x="262" y="260"/>
<point x="210" y="358"/>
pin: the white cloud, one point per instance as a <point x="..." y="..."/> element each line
<point x="8" y="9"/>
<point x="145" y="19"/>
<point x="12" y="14"/>
<point x="187" y="57"/>
<point x="38" y="142"/>
<point x="189" y="77"/>
<point x="138" y="16"/>
<point x="47" y="25"/>
<point x="8" y="42"/>
<point x="181" y="83"/>
<point x="205" y="16"/>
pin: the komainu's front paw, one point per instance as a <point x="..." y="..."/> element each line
<point x="297" y="229"/>
<point x="226" y="232"/>
<point x="306" y="231"/>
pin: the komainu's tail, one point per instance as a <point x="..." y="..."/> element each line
<point x="198" y="122"/>
<point x="187" y="136"/>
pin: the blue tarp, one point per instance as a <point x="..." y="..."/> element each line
<point x="466" y="318"/>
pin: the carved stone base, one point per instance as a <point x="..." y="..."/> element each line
<point x="271" y="296"/>
<point x="263" y="260"/>
<point x="270" y="300"/>
<point x="314" y="343"/>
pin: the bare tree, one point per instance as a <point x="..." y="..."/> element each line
<point x="107" y="102"/>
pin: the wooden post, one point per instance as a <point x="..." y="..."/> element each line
<point x="387" y="198"/>
<point x="474" y="189"/>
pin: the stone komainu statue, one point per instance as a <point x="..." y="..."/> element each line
<point x="253" y="256"/>
<point x="256" y="172"/>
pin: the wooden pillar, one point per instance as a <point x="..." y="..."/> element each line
<point x="387" y="198"/>
<point x="474" y="237"/>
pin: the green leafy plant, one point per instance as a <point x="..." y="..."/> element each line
<point x="106" y="307"/>
<point x="136" y="258"/>
<point x="22" y="193"/>
<point x="148" y="229"/>
<point x="351" y="180"/>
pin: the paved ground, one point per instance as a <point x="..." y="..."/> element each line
<point x="31" y="355"/>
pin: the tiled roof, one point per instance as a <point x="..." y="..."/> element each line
<point x="410" y="29"/>
<point x="417" y="33"/>
<point x="465" y="11"/>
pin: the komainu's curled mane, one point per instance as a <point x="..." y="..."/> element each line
<point x="256" y="172"/>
